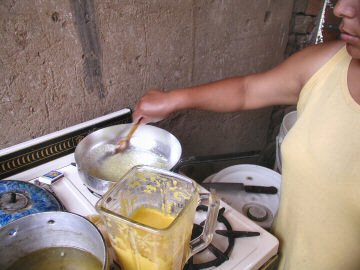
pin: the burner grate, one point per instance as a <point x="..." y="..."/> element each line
<point x="220" y="256"/>
<point x="229" y="233"/>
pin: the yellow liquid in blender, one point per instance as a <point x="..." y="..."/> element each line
<point x="152" y="217"/>
<point x="150" y="256"/>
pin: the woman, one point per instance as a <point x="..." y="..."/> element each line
<point x="318" y="223"/>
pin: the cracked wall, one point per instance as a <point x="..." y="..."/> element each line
<point x="65" y="62"/>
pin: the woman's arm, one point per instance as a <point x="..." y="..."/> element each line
<point x="280" y="85"/>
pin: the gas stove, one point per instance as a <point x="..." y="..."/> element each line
<point x="252" y="248"/>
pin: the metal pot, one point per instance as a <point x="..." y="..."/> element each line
<point x="147" y="138"/>
<point x="47" y="230"/>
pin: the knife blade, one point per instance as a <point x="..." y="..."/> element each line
<point x="226" y="186"/>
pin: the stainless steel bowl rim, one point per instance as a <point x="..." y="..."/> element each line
<point x="111" y="134"/>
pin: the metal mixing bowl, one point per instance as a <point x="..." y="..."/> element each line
<point x="148" y="138"/>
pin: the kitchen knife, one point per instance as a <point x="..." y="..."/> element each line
<point x="226" y="186"/>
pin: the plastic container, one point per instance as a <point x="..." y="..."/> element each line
<point x="287" y="123"/>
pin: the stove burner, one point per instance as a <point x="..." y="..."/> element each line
<point x="228" y="233"/>
<point x="220" y="256"/>
<point x="259" y="213"/>
<point x="13" y="201"/>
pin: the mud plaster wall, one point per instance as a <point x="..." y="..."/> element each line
<point x="65" y="62"/>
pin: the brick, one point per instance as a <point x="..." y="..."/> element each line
<point x="300" y="6"/>
<point x="303" y="24"/>
<point x="314" y="7"/>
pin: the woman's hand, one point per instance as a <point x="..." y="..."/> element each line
<point x="154" y="106"/>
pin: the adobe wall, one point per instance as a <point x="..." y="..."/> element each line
<point x="65" y="62"/>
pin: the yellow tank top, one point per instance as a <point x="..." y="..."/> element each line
<point x="318" y="223"/>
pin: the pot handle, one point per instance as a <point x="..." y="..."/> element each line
<point x="201" y="242"/>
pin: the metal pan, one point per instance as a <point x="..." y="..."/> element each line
<point x="26" y="238"/>
<point x="149" y="145"/>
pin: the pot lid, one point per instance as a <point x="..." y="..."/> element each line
<point x="260" y="208"/>
<point x="20" y="198"/>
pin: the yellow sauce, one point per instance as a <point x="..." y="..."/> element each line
<point x="152" y="217"/>
<point x="151" y="252"/>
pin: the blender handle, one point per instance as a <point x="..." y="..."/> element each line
<point x="203" y="240"/>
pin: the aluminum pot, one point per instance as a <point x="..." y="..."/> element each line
<point x="146" y="138"/>
<point x="47" y="230"/>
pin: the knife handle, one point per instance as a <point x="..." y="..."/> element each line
<point x="261" y="189"/>
<point x="237" y="234"/>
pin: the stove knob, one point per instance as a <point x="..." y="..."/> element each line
<point x="257" y="213"/>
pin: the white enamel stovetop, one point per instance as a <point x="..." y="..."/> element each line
<point x="248" y="253"/>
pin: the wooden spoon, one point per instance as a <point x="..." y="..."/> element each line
<point x="124" y="143"/>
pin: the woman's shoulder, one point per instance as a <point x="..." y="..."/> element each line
<point x="320" y="53"/>
<point x="312" y="58"/>
<point x="323" y="51"/>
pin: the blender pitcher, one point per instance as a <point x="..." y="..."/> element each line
<point x="149" y="216"/>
